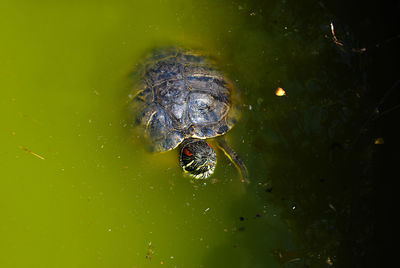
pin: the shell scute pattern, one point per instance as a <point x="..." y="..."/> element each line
<point x="167" y="69"/>
<point x="183" y="95"/>
<point x="171" y="91"/>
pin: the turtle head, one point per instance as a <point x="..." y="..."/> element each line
<point x="197" y="158"/>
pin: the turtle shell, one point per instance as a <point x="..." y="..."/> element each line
<point x="181" y="94"/>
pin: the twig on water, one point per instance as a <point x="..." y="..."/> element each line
<point x="32" y="153"/>
<point x="337" y="42"/>
<point x="334" y="36"/>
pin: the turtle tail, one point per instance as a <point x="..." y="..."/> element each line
<point x="235" y="159"/>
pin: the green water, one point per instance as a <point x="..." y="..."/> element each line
<point x="79" y="189"/>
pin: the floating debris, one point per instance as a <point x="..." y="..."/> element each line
<point x="379" y="141"/>
<point x="334" y="36"/>
<point x="149" y="252"/>
<point x="280" y="92"/>
<point x="360" y="50"/>
<point x="286" y="256"/>
<point x="329" y="261"/>
<point x="32" y="153"/>
<point x="332" y="207"/>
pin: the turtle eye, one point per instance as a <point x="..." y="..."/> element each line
<point x="187" y="152"/>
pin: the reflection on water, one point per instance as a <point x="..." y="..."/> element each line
<point x="79" y="187"/>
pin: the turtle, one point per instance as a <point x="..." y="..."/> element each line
<point x="181" y="100"/>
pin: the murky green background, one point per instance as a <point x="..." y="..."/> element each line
<point x="99" y="199"/>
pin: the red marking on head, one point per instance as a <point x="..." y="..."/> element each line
<point x="186" y="152"/>
<point x="208" y="145"/>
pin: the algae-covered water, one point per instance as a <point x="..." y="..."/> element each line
<point x="78" y="186"/>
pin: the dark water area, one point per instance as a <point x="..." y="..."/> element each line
<point x="359" y="177"/>
<point x="326" y="161"/>
<point x="370" y="241"/>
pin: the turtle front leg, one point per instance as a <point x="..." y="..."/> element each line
<point x="235" y="159"/>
